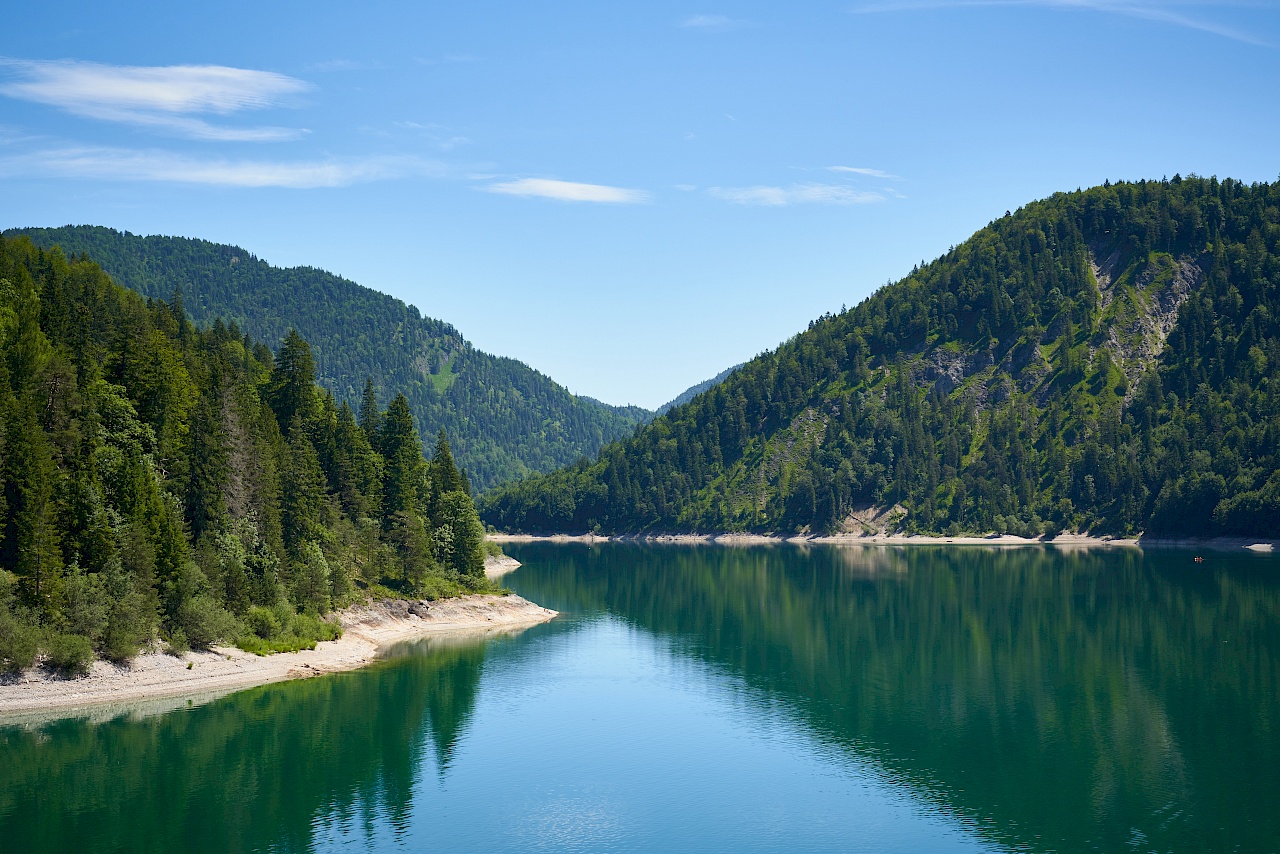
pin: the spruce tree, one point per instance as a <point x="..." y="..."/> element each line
<point x="402" y="454"/>
<point x="291" y="390"/>
<point x="370" y="417"/>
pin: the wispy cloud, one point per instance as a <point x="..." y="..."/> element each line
<point x="446" y="59"/>
<point x="1163" y="11"/>
<point x="862" y="170"/>
<point x="168" y="98"/>
<point x="121" y="164"/>
<point x="440" y="135"/>
<point x="344" y="65"/>
<point x="796" y="194"/>
<point x="709" y="23"/>
<point x="568" y="191"/>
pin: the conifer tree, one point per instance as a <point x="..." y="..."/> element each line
<point x="402" y="453"/>
<point x="302" y="490"/>
<point x="291" y="389"/>
<point x="370" y="416"/>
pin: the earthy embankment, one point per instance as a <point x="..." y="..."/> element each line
<point x="158" y="681"/>
<point x="496" y="567"/>
<point x="1061" y="541"/>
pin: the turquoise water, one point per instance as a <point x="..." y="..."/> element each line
<point x="732" y="699"/>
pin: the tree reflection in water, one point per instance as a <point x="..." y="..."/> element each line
<point x="1053" y="699"/>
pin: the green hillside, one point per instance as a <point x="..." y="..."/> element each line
<point x="1104" y="361"/>
<point x="159" y="478"/>
<point x="694" y="390"/>
<point x="506" y="420"/>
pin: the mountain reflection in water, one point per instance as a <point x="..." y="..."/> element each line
<point x="1058" y="700"/>
<point x="697" y="698"/>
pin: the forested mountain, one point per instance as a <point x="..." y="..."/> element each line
<point x="156" y="477"/>
<point x="505" y="419"/>
<point x="693" y="391"/>
<point x="1104" y="361"/>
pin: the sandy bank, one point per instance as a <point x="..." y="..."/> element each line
<point x="1061" y="541"/>
<point x="498" y="566"/>
<point x="367" y="629"/>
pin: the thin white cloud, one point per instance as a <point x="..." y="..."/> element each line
<point x="344" y="65"/>
<point x="167" y="98"/>
<point x="1163" y="11"/>
<point x="796" y="194"/>
<point x="447" y="59"/>
<point x="710" y="23"/>
<point x="568" y="191"/>
<point x="862" y="170"/>
<point x="441" y="136"/>
<point x="120" y="164"/>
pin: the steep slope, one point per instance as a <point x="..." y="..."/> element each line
<point x="693" y="391"/>
<point x="154" y="476"/>
<point x="1106" y="360"/>
<point x="506" y="419"/>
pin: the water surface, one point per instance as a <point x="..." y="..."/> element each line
<point x="697" y="698"/>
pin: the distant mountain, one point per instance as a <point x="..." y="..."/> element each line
<point x="505" y="419"/>
<point x="1104" y="361"/>
<point x="693" y="391"/>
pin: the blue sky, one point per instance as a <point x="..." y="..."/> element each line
<point x="629" y="197"/>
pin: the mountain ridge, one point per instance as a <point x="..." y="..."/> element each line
<point x="694" y="390"/>
<point x="1104" y="360"/>
<point x="505" y="418"/>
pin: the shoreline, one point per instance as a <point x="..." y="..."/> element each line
<point x="158" y="681"/>
<point x="1068" y="541"/>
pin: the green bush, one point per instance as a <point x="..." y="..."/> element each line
<point x="311" y="585"/>
<point x="262" y="623"/>
<point x="267" y="633"/>
<point x="313" y="628"/>
<point x="18" y="643"/>
<point x="70" y="655"/>
<point x="177" y="642"/>
<point x="132" y="617"/>
<point x="204" y="622"/>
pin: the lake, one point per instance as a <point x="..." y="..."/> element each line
<point x="707" y="698"/>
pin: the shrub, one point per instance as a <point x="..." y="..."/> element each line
<point x="312" y="579"/>
<point x="313" y="628"/>
<point x="262" y="622"/>
<point x="302" y="631"/>
<point x="203" y="621"/>
<point x="18" y="644"/>
<point x="86" y="608"/>
<point x="177" y="642"/>
<point x="133" y="616"/>
<point x="70" y="655"/>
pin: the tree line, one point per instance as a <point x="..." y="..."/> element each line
<point x="163" y="481"/>
<point x="997" y="388"/>
<point x="505" y="419"/>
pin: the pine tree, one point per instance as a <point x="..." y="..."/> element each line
<point x="402" y="453"/>
<point x="444" y="474"/>
<point x="291" y="390"/>
<point x="302" y="490"/>
<point x="370" y="416"/>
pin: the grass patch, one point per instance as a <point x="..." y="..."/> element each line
<point x="444" y="378"/>
<point x="267" y="630"/>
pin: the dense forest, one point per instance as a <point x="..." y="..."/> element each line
<point x="694" y="390"/>
<point x="162" y="480"/>
<point x="505" y="419"/>
<point x="1104" y="361"/>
